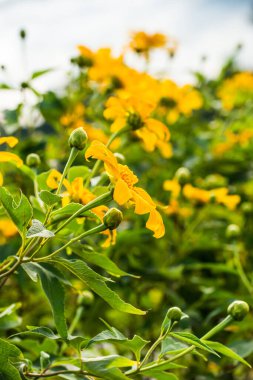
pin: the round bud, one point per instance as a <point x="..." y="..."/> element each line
<point x="78" y="138"/>
<point x="85" y="298"/>
<point x="33" y="160"/>
<point x="22" y="34"/>
<point x="247" y="208"/>
<point x="233" y="232"/>
<point x="24" y="85"/>
<point x="113" y="218"/>
<point x="238" y="310"/>
<point x="183" y="175"/>
<point x="175" y="314"/>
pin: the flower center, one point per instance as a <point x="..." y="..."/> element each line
<point x="167" y="102"/>
<point x="128" y="176"/>
<point x="134" y="120"/>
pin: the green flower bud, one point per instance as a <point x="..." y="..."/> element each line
<point x="33" y="160"/>
<point x="78" y="138"/>
<point x="85" y="298"/>
<point x="238" y="310"/>
<point x="22" y="34"/>
<point x="113" y="218"/>
<point x="247" y="208"/>
<point x="183" y="175"/>
<point x="174" y="314"/>
<point x="233" y="232"/>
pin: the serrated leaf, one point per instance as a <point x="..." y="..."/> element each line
<point x="38" y="332"/>
<point x="49" y="198"/>
<point x="226" y="351"/>
<point x="193" y="340"/>
<point x="37" y="229"/>
<point x="19" y="211"/>
<point x="96" y="283"/>
<point x="8" y="352"/>
<point x="54" y="292"/>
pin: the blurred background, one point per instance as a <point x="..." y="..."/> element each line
<point x="207" y="32"/>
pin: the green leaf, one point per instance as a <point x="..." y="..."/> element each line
<point x="136" y="345"/>
<point x="39" y="73"/>
<point x="77" y="171"/>
<point x="107" y="367"/>
<point x="38" y="332"/>
<point x="9" y="318"/>
<point x="20" y="212"/>
<point x="8" y="352"/>
<point x="96" y="283"/>
<point x="49" y="198"/>
<point x="226" y="351"/>
<point x="171" y="346"/>
<point x="193" y="340"/>
<point x="161" y="366"/>
<point x="5" y="86"/>
<point x="55" y="294"/>
<point x="39" y="230"/>
<point x="101" y="260"/>
<point x="160" y="375"/>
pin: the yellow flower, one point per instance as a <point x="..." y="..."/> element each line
<point x="76" y="192"/>
<point x="74" y="118"/>
<point x="237" y="90"/>
<point x="136" y="113"/>
<point x="221" y="196"/>
<point x="174" y="101"/>
<point x="7" y="230"/>
<point x="125" y="190"/>
<point x="142" y="42"/>
<point x="173" y="186"/>
<point x="8" y="156"/>
<point x="194" y="193"/>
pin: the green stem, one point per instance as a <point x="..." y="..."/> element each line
<point x="102" y="199"/>
<point x="152" y="348"/>
<point x="94" y="230"/>
<point x="72" y="156"/>
<point x="208" y="335"/>
<point x="240" y="270"/>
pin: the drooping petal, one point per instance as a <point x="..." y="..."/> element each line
<point x="155" y="224"/>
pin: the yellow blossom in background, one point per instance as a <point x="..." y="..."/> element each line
<point x="125" y="190"/>
<point x="237" y="90"/>
<point x="136" y="113"/>
<point x="74" y="118"/>
<point x="7" y="230"/>
<point x="142" y="42"/>
<point x="76" y="192"/>
<point x="232" y="139"/>
<point x="8" y="156"/>
<point x="173" y="186"/>
<point x="174" y="101"/>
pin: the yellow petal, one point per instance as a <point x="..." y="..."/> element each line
<point x="122" y="193"/>
<point x="10" y="157"/>
<point x="11" y="141"/>
<point x="1" y="179"/>
<point x="155" y="224"/>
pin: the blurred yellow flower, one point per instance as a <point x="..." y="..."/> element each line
<point x="237" y="90"/>
<point x="7" y="230"/>
<point x="142" y="42"/>
<point x="8" y="156"/>
<point x="136" y="113"/>
<point x="125" y="190"/>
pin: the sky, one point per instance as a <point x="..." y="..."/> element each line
<point x="210" y="28"/>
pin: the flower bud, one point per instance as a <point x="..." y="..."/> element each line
<point x="78" y="138"/>
<point x="174" y="314"/>
<point x="238" y="310"/>
<point x="113" y="218"/>
<point x="247" y="208"/>
<point x="22" y="34"/>
<point x="85" y="298"/>
<point x="233" y="232"/>
<point x="33" y="160"/>
<point x="183" y="175"/>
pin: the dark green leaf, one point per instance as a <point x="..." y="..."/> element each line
<point x="49" y="198"/>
